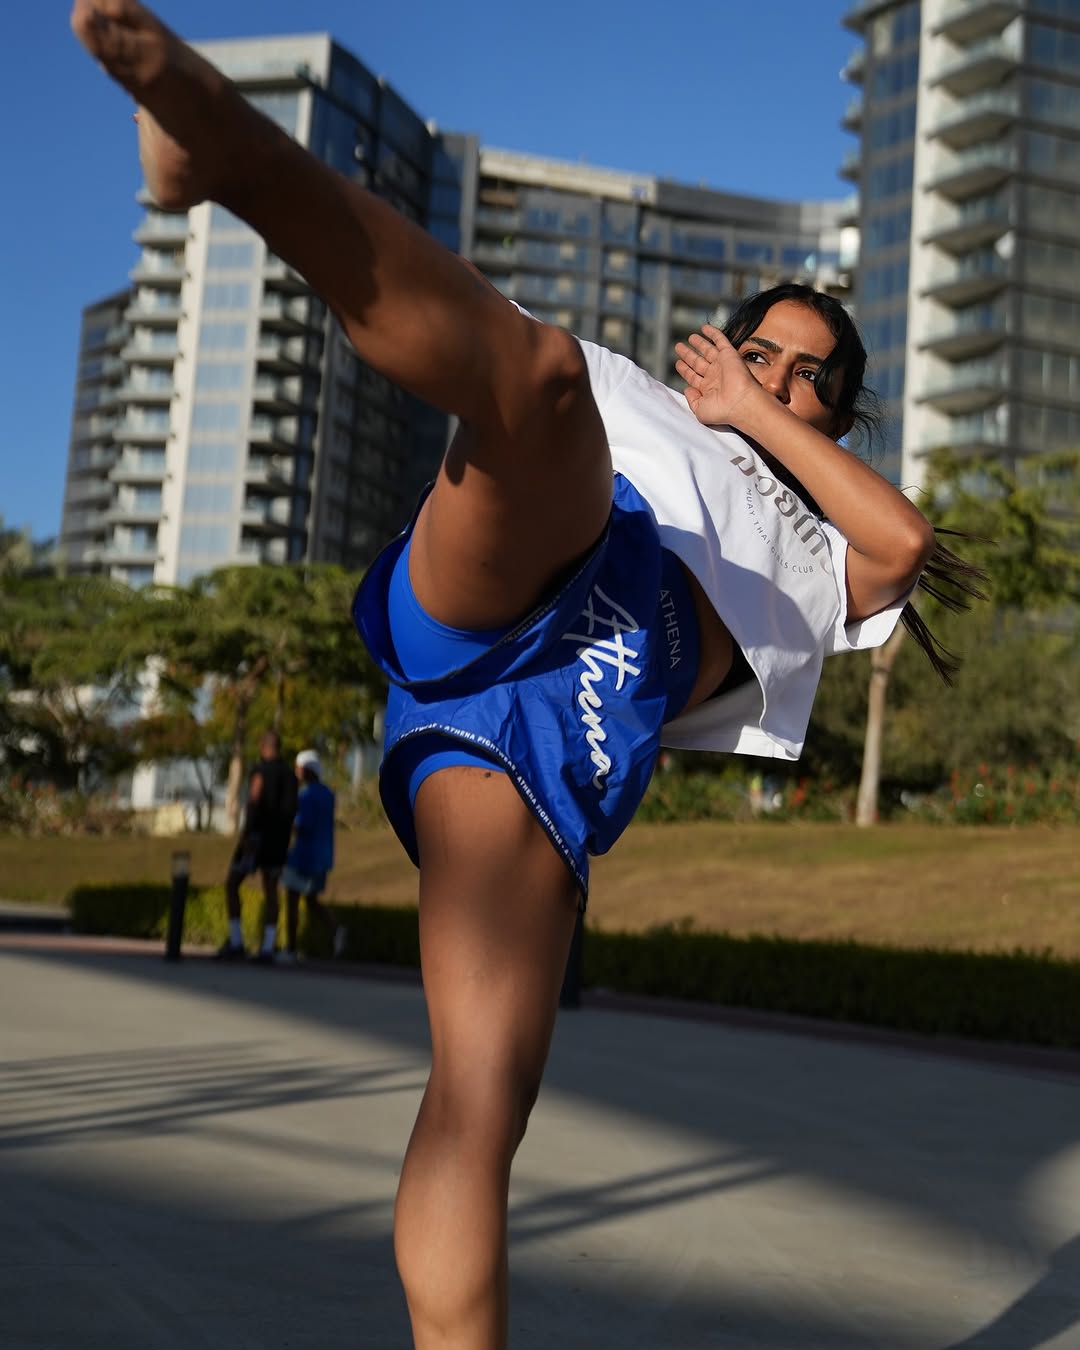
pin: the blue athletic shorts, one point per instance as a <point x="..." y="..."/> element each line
<point x="569" y="702"/>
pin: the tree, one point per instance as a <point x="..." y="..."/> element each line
<point x="1022" y="533"/>
<point x="249" y="631"/>
<point x="70" y="676"/>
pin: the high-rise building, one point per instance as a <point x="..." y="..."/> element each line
<point x="222" y="417"/>
<point x="969" y="174"/>
<point x="635" y="262"/>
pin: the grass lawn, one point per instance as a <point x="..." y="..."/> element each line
<point x="978" y="888"/>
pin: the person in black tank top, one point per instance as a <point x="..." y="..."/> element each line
<point x="263" y="846"/>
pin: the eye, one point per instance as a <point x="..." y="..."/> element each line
<point x="807" y="373"/>
<point x="753" y="357"/>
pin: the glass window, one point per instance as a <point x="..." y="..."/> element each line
<point x="218" y="335"/>
<point x="215" y="417"/>
<point x="222" y="220"/>
<point x="220" y="375"/>
<point x="226" y="295"/>
<point x="205" y="541"/>
<point x="212" y="457"/>
<point x="281" y="108"/>
<point x="208" y="499"/>
<point x="230" y="256"/>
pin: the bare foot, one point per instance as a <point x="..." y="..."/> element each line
<point x="186" y="106"/>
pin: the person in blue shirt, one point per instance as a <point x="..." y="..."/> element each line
<point x="311" y="857"/>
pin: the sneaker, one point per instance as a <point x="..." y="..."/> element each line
<point x="341" y="937"/>
<point x="286" y="958"/>
<point x="262" y="958"/>
<point x="229" y="951"/>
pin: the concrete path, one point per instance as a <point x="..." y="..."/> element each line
<point x="203" y="1158"/>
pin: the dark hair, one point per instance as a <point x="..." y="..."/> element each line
<point x="840" y="379"/>
<point x="840" y="386"/>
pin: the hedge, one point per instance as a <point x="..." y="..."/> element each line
<point x="1019" y="996"/>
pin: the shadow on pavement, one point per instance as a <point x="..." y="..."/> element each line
<point x="683" y="1186"/>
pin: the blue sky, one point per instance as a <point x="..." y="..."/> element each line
<point x="744" y="97"/>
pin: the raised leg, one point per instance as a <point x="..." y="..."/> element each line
<point x="526" y="488"/>
<point x="497" y="911"/>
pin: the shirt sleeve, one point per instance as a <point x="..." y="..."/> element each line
<point x="862" y="633"/>
<point x="607" y="370"/>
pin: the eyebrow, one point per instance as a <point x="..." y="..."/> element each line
<point x="801" y="357"/>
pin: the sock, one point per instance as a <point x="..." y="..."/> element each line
<point x="269" y="937"/>
<point x="236" y="937"/>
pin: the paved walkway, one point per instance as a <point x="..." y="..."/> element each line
<point x="204" y="1158"/>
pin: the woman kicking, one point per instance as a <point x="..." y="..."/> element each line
<point x="600" y="565"/>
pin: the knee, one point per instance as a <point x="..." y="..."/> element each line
<point x="550" y="379"/>
<point x="490" y="1103"/>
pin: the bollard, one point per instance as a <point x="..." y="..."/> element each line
<point x="181" y="871"/>
<point x="570" y="997"/>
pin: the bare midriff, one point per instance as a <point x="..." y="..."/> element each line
<point x="716" y="645"/>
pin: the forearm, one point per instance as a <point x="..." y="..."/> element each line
<point x="879" y="522"/>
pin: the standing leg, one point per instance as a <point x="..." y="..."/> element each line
<point x="292" y="919"/>
<point x="270" y="911"/>
<point x="497" y="910"/>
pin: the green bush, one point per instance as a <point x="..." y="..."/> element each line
<point x="381" y="935"/>
<point x="1013" y="996"/>
<point x="1017" y="996"/>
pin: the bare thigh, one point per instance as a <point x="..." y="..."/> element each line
<point x="522" y="494"/>
<point x="497" y="912"/>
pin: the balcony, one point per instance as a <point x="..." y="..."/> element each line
<point x="137" y="469"/>
<point x="969" y="388"/>
<point x="279" y="314"/>
<point x="497" y="220"/>
<point x="850" y="207"/>
<point x="277" y="396"/>
<point x="979" y="66"/>
<point x="162" y="351"/>
<point x="972" y="225"/>
<point x="157" y="310"/>
<point x="274" y="433"/>
<point x="141" y="431"/>
<point x="82" y="491"/>
<point x="983" y="117"/>
<point x="128" y="552"/>
<point x="972" y="173"/>
<point x="144" y="391"/>
<point x="969" y="20"/>
<point x="969" y="335"/>
<point x="133" y="513"/>
<point x="969" y="281"/>
<point x="857" y="16"/>
<point x="99" y="427"/>
<point x="97" y="460"/>
<point x="853" y="114"/>
<point x="266" y="517"/>
<point x="162" y="229"/>
<point x="282" y="277"/>
<point x="496" y="255"/>
<point x="284" y="354"/>
<point x="159" y="269"/>
<point x="985" y="437"/>
<point x="851" y="166"/>
<point x="855" y="67"/>
<point x="269" y="475"/>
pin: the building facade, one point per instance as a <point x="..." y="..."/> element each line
<point x="969" y="175"/>
<point x="635" y="262"/>
<point x="220" y="415"/>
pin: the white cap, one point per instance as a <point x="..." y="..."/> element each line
<point x="309" y="759"/>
